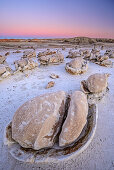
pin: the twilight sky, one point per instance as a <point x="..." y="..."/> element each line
<point x="56" y="18"/>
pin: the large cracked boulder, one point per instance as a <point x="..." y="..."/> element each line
<point x="50" y="118"/>
<point x="2" y="59"/>
<point x="29" y="54"/>
<point x="77" y="66"/>
<point x="76" y="119"/>
<point x="37" y="122"/>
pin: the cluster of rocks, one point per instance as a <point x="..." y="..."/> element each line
<point x="24" y="64"/>
<point x="29" y="54"/>
<point x="2" y="59"/>
<point x="51" y="58"/>
<point x="45" y="53"/>
<point x="56" y="117"/>
<point x="94" y="56"/>
<point x="5" y="71"/>
<point x="77" y="66"/>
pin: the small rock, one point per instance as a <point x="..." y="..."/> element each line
<point x="54" y="76"/>
<point x="7" y="53"/>
<point x="50" y="84"/>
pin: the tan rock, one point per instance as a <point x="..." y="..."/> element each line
<point x="17" y="51"/>
<point x="20" y="64"/>
<point x="7" y="53"/>
<point x="2" y="59"/>
<point x="73" y="54"/>
<point x="106" y="63"/>
<point x="50" y="84"/>
<point x="45" y="53"/>
<point x="76" y="119"/>
<point x="77" y="66"/>
<point x="102" y="58"/>
<point x="95" y="83"/>
<point x="24" y="64"/>
<point x="37" y="122"/>
<point x="54" y="76"/>
<point x="51" y="59"/>
<point x="29" y="54"/>
<point x="2" y="69"/>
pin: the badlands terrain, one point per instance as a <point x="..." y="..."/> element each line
<point x="39" y="75"/>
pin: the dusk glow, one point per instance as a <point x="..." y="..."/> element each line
<point x="56" y="18"/>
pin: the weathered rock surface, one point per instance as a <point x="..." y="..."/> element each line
<point x="76" y="119"/>
<point x="17" y="51"/>
<point x="24" y="64"/>
<point x="7" y="53"/>
<point x="77" y="66"/>
<point x="73" y="54"/>
<point x="37" y="122"/>
<point x="51" y="59"/>
<point x="2" y="59"/>
<point x="45" y="53"/>
<point x="54" y="76"/>
<point x="95" y="83"/>
<point x="4" y="71"/>
<point x="29" y="54"/>
<point x="107" y="63"/>
<point x="50" y="84"/>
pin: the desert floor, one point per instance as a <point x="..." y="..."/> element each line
<point x="17" y="89"/>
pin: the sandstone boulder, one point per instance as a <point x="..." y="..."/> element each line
<point x="77" y="66"/>
<point x="95" y="83"/>
<point x="76" y="119"/>
<point x="37" y="122"/>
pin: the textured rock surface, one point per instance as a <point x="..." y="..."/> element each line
<point x="29" y="54"/>
<point x="96" y="83"/>
<point x="50" y="84"/>
<point x="2" y="59"/>
<point x="73" y="54"/>
<point x="77" y="66"/>
<point x="51" y="59"/>
<point x="54" y="76"/>
<point x="37" y="122"/>
<point x="76" y="119"/>
<point x="106" y="63"/>
<point x="24" y="64"/>
<point x="45" y="53"/>
<point x="2" y="69"/>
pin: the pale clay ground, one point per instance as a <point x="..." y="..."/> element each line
<point x="17" y="89"/>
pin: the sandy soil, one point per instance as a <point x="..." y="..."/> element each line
<point x="17" y="89"/>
